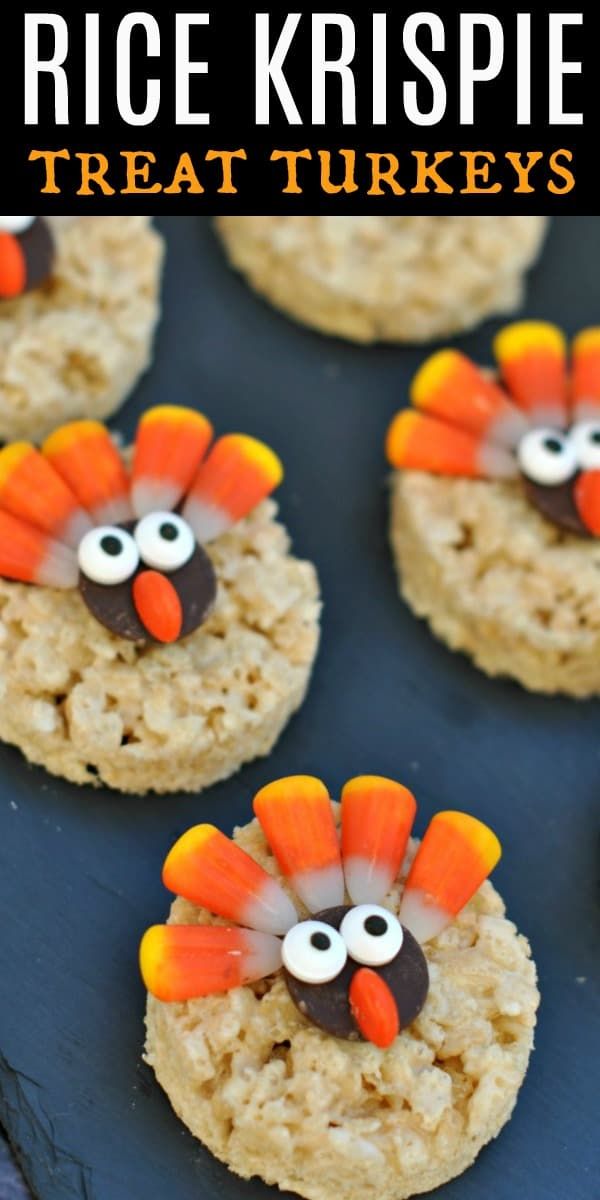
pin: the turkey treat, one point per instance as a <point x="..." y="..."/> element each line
<point x="389" y="279"/>
<point x="334" y="1007"/>
<point x="495" y="522"/>
<point x="78" y="307"/>
<point x="155" y="631"/>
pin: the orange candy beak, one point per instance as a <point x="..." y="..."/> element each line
<point x="374" y="1008"/>
<point x="158" y="606"/>
<point x="13" y="271"/>
<point x="587" y="500"/>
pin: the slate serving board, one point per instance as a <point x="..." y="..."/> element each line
<point x="80" y="869"/>
<point x="12" y="1186"/>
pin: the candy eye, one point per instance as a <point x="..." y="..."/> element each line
<point x="165" y="541"/>
<point x="15" y="224"/>
<point x="547" y="457"/>
<point x="372" y="934"/>
<point x="108" y="555"/>
<point x="585" y="439"/>
<point x="314" y="952"/>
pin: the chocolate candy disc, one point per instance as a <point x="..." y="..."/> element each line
<point x="327" y="1004"/>
<point x="37" y="244"/>
<point x="113" y="605"/>
<point x="557" y="504"/>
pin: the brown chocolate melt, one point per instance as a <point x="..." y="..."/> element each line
<point x="37" y="244"/>
<point x="113" y="606"/>
<point x="557" y="504"/>
<point x="327" y="1004"/>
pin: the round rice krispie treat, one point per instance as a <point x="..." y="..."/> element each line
<point x="79" y="301"/>
<point x="351" y="1025"/>
<point x="495" y="515"/>
<point x="391" y="279"/>
<point x="155" y="630"/>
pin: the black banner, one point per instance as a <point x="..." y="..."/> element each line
<point x="351" y="111"/>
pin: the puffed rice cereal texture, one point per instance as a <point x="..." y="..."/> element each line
<point x="97" y="709"/>
<point x="499" y="582"/>
<point x="391" y="279"/>
<point x="271" y="1095"/>
<point x="76" y="346"/>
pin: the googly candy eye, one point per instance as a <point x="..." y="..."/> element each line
<point x="547" y="457"/>
<point x="314" y="952"/>
<point x="164" y="541"/>
<point x="585" y="439"/>
<point x="373" y="935"/>
<point x="15" y="224"/>
<point x="108" y="555"/>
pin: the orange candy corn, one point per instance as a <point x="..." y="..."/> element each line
<point x="89" y="462"/>
<point x="377" y="817"/>
<point x="297" y="820"/>
<point x="209" y="869"/>
<point x="421" y="443"/>
<point x="449" y="386"/>
<point x="585" y="382"/>
<point x="532" y="360"/>
<point x="13" y="268"/>
<point x="169" y="447"/>
<point x="158" y="606"/>
<point x="31" y="490"/>
<point x="29" y="556"/>
<point x="184" y="962"/>
<point x="456" y="855"/>
<point x="587" y="500"/>
<point x="373" y="1007"/>
<point x="238" y="473"/>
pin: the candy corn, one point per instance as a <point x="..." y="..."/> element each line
<point x="585" y="382"/>
<point x="30" y="556"/>
<point x="184" y="962"/>
<point x="456" y="855"/>
<point x="297" y="820"/>
<point x="449" y="386"/>
<point x="532" y="360"/>
<point x="377" y="817"/>
<point x="33" y="491"/>
<point x="89" y="462"/>
<point x="211" y="870"/>
<point x="238" y="473"/>
<point x="373" y="1007"/>
<point x="423" y="443"/>
<point x="170" y="445"/>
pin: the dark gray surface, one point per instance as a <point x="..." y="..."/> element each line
<point x="12" y="1186"/>
<point x="80" y="871"/>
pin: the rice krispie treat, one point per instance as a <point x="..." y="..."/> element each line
<point x="340" y="1011"/>
<point x="495" y="521"/>
<point x="391" y="279"/>
<point x="155" y="631"/>
<point x="78" y="306"/>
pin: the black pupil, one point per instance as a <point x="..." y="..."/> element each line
<point x="169" y="532"/>
<point x="320" y="941"/>
<point x="111" y="545"/>
<point x="554" y="445"/>
<point x="595" y="437"/>
<point x="376" y="926"/>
